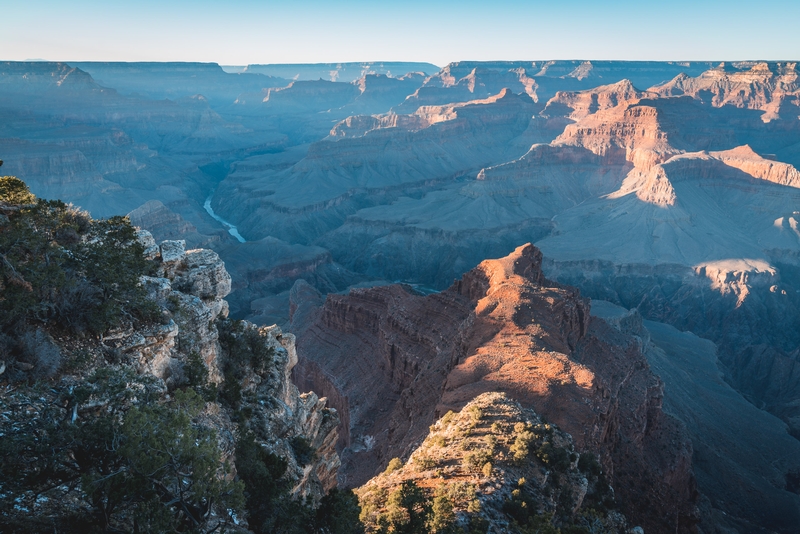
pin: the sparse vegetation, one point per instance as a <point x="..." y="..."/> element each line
<point x="94" y="439"/>
<point x="534" y="464"/>
<point x="61" y="270"/>
<point x="304" y="453"/>
<point x="487" y="469"/>
<point x="139" y="461"/>
<point x="447" y="418"/>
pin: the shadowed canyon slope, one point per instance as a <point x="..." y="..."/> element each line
<point x="747" y="484"/>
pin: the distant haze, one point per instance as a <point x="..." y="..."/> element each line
<point x="241" y="32"/>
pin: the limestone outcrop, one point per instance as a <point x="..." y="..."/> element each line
<point x="189" y="343"/>
<point x="191" y="291"/>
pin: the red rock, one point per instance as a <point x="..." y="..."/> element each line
<point x="401" y="360"/>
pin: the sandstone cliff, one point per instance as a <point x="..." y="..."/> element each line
<point x="400" y="360"/>
<point x="746" y="485"/>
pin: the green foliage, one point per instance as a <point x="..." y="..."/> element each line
<point x="269" y="508"/>
<point x="474" y="461"/>
<point x="521" y="508"/>
<point x="447" y="418"/>
<point x="460" y="493"/>
<point x="425" y="462"/>
<point x="475" y="413"/>
<point x="521" y="446"/>
<point x="589" y="465"/>
<point x="477" y="525"/>
<point x="487" y="469"/>
<point x="141" y="464"/>
<point x="539" y="524"/>
<point x="408" y="509"/>
<point x="442" y="518"/>
<point x="15" y="191"/>
<point x="574" y="529"/>
<point x="599" y="495"/>
<point x="556" y="458"/>
<point x="243" y="348"/>
<point x="195" y="374"/>
<point x="304" y="453"/>
<point x="439" y="440"/>
<point x="394" y="465"/>
<point x="59" y="267"/>
<point x="338" y="513"/>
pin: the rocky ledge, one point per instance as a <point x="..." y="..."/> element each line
<point x="152" y="365"/>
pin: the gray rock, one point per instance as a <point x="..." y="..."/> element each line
<point x="173" y="251"/>
<point x="158" y="289"/>
<point x="151" y="250"/>
<point x="204" y="276"/>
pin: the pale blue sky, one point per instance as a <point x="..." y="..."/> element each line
<point x="238" y="32"/>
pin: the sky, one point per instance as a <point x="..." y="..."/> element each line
<point x="241" y="32"/>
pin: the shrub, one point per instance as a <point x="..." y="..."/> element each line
<point x="151" y="465"/>
<point x="304" y="453"/>
<point x="338" y="513"/>
<point x="475" y="413"/>
<point x="394" y="465"/>
<point x="460" y="493"/>
<point x="266" y="491"/>
<point x="243" y="348"/>
<point x="425" y="462"/>
<point x="556" y="458"/>
<point x="195" y="375"/>
<point x="172" y="464"/>
<point x="407" y="509"/>
<point x="442" y="518"/>
<point x="447" y="418"/>
<point x="15" y="191"/>
<point x="589" y="465"/>
<point x="474" y="461"/>
<point x="487" y="469"/>
<point x="521" y="446"/>
<point x="61" y="267"/>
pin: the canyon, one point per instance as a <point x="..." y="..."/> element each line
<point x="668" y="193"/>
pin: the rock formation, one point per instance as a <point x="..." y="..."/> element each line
<point x="341" y="72"/>
<point x="401" y="360"/>
<point x="744" y="459"/>
<point x="489" y="459"/>
<point x="126" y="367"/>
<point x="195" y="283"/>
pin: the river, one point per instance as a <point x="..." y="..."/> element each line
<point x="231" y="228"/>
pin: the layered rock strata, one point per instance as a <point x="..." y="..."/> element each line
<point x="403" y="359"/>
